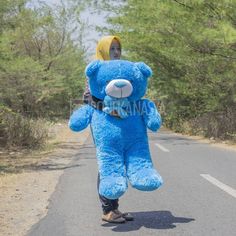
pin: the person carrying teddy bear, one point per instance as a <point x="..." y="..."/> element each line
<point x="108" y="48"/>
<point x="119" y="116"/>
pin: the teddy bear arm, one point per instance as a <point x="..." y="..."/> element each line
<point x="151" y="115"/>
<point x="81" y="118"/>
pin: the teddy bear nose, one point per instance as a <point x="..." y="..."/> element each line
<point x="119" y="88"/>
<point x="120" y="84"/>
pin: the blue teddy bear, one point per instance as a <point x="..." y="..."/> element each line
<point x="121" y="140"/>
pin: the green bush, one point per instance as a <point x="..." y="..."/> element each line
<point x="20" y="131"/>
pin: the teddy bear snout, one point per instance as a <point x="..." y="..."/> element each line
<point x="120" y="84"/>
<point x="119" y="88"/>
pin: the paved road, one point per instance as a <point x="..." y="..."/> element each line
<point x="197" y="198"/>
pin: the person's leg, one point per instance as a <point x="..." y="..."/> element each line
<point x="112" y="205"/>
<point x="107" y="204"/>
<point x="108" y="207"/>
<point x="126" y="215"/>
<point x="115" y="203"/>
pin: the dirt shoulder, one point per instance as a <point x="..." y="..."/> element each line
<point x="29" y="180"/>
<point x="212" y="142"/>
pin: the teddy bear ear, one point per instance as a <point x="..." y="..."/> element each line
<point x="145" y="69"/>
<point x="92" y="68"/>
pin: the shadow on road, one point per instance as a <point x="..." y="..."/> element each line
<point x="151" y="220"/>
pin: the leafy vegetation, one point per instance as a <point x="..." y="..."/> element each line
<point x="191" y="46"/>
<point x="41" y="68"/>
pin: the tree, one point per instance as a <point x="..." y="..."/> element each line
<point x="41" y="61"/>
<point x="191" y="46"/>
<point x="42" y="64"/>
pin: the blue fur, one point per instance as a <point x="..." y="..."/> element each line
<point x="121" y="143"/>
<point x="116" y="104"/>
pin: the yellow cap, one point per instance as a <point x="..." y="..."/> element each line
<point x="103" y="47"/>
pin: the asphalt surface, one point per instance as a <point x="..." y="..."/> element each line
<point x="189" y="203"/>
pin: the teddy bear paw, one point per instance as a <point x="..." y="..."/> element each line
<point x="113" y="187"/>
<point x="146" y="180"/>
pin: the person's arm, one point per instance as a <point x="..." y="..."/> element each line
<point x="87" y="97"/>
<point x="151" y="115"/>
<point x="81" y="118"/>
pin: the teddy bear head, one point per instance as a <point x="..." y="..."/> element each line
<point x="118" y="79"/>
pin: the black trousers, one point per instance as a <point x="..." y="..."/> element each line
<point x="107" y="204"/>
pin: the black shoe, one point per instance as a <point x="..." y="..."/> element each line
<point x="127" y="216"/>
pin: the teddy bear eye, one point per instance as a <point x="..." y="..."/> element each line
<point x="108" y="81"/>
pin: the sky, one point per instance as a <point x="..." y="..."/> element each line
<point x="92" y="36"/>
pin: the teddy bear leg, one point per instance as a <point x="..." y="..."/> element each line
<point x="139" y="167"/>
<point x="113" y="182"/>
